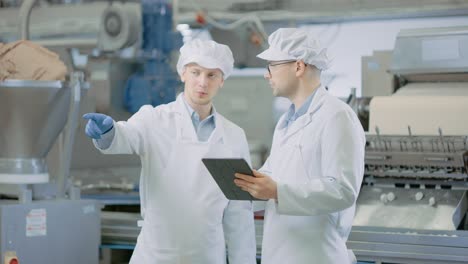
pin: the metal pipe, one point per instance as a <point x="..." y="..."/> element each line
<point x="175" y="14"/>
<point x="77" y="79"/>
<point x="24" y="15"/>
<point x="333" y="17"/>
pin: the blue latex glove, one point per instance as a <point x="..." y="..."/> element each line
<point x="98" y="125"/>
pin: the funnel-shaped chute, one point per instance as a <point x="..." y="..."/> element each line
<point x="32" y="115"/>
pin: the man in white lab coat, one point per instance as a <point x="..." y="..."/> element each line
<point x="187" y="219"/>
<point x="313" y="175"/>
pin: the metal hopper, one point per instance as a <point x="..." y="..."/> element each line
<point x="32" y="115"/>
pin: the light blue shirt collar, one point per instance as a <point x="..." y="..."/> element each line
<point x="292" y="115"/>
<point x="193" y="114"/>
<point x="205" y="127"/>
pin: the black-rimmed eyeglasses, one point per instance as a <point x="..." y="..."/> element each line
<point x="276" y="64"/>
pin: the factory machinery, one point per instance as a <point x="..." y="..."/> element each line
<point x="43" y="219"/>
<point x="42" y="216"/>
<point x="412" y="206"/>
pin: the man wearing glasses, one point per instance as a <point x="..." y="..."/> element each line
<point x="314" y="172"/>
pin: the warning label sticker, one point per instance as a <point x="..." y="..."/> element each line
<point x="36" y="222"/>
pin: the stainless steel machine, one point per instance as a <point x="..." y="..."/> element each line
<point x="412" y="207"/>
<point x="42" y="218"/>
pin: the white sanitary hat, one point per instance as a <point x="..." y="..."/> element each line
<point x="208" y="54"/>
<point x="296" y="44"/>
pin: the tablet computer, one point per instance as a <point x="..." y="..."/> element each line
<point x="222" y="170"/>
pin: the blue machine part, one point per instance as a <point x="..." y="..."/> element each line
<point x="157" y="24"/>
<point x="157" y="83"/>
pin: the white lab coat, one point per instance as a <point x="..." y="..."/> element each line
<point x="187" y="219"/>
<point x="318" y="164"/>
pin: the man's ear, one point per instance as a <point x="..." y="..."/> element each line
<point x="300" y="68"/>
<point x="182" y="75"/>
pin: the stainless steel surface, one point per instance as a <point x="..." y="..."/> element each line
<point x="19" y="166"/>
<point x="56" y="231"/>
<point x="444" y="157"/>
<point x="406" y="211"/>
<point x="24" y="15"/>
<point x="361" y="107"/>
<point x="398" y="245"/>
<point x="431" y="51"/>
<point x="33" y="113"/>
<point x="119" y="227"/>
<point x="413" y="205"/>
<point x="76" y="83"/>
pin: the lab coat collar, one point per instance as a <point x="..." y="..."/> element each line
<point x="187" y="131"/>
<point x="305" y="119"/>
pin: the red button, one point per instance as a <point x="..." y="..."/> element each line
<point x="14" y="261"/>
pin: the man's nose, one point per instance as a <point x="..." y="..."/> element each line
<point x="203" y="80"/>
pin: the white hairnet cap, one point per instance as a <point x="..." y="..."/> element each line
<point x="208" y="54"/>
<point x="295" y="44"/>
